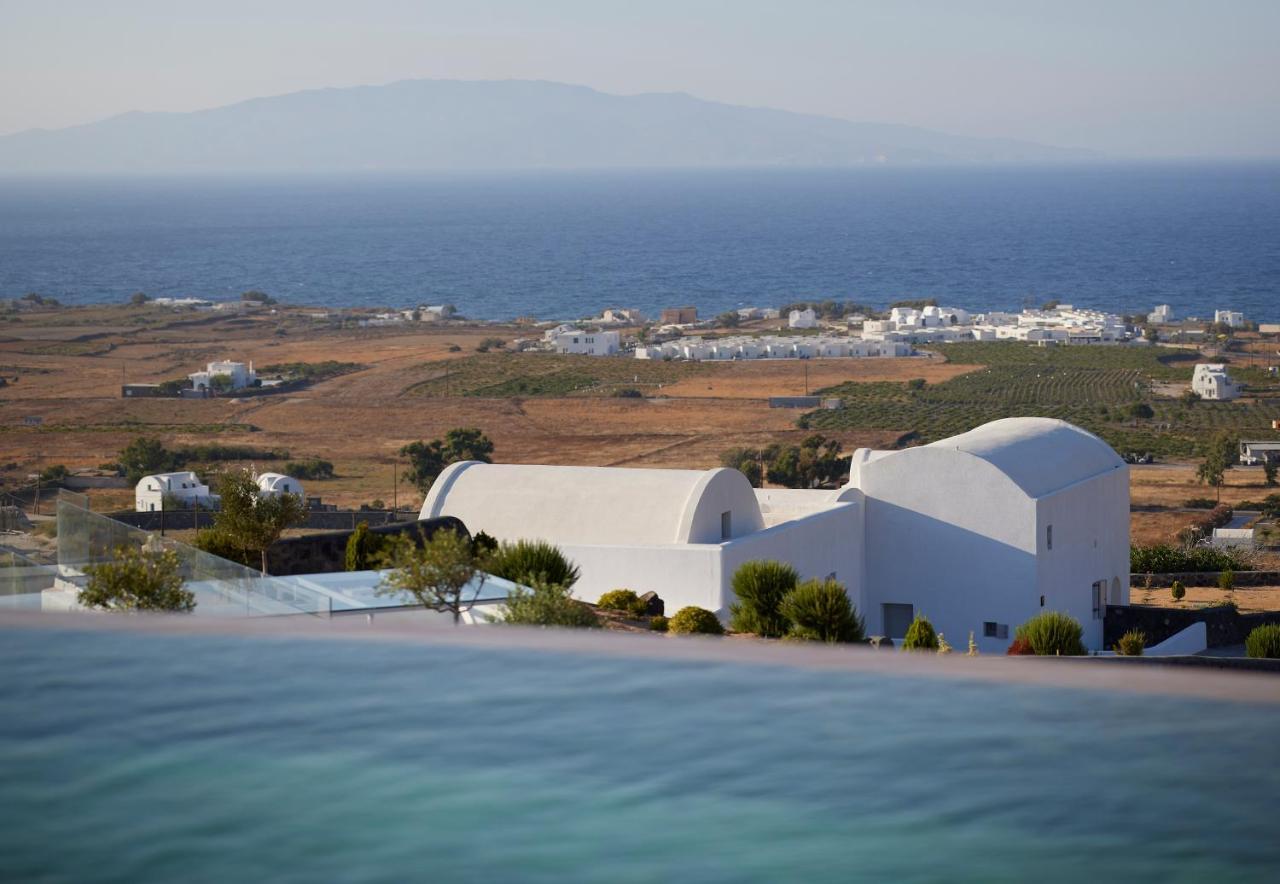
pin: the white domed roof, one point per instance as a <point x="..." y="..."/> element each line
<point x="1040" y="455"/>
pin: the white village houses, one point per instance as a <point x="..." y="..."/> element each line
<point x="184" y="487"/>
<point x="978" y="532"/>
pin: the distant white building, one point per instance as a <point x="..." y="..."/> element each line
<point x="805" y="318"/>
<point x="621" y="316"/>
<point x="240" y="375"/>
<point x="1230" y="318"/>
<point x="1161" y="315"/>
<point x="1256" y="453"/>
<point x="185" y="487"/>
<point x="588" y="343"/>
<point x="696" y="349"/>
<point x="275" y="484"/>
<point x="1211" y="381"/>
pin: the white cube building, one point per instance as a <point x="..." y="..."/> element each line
<point x="183" y="487"/>
<point x="1211" y="381"/>
<point x="241" y="375"/>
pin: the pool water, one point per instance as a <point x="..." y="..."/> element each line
<point x="155" y="757"/>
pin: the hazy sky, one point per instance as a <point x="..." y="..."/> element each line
<point x="1130" y="77"/>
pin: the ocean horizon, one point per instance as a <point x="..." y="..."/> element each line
<point x="1118" y="237"/>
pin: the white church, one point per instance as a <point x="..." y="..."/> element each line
<point x="978" y="532"/>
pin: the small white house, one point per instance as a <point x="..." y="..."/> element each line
<point x="1211" y="381"/>
<point x="805" y="318"/>
<point x="275" y="484"/>
<point x="151" y="491"/>
<point x="1161" y="315"/>
<point x="1230" y="318"/>
<point x="1255" y="453"/>
<point x="588" y="343"/>
<point x="241" y="375"/>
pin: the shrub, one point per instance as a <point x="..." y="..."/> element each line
<point x="623" y="600"/>
<point x="1053" y="633"/>
<point x="628" y="393"/>
<point x="1227" y="580"/>
<point x="1264" y="641"/>
<point x="1020" y="647"/>
<point x="219" y="543"/>
<point x="1200" y="503"/>
<point x="695" y="621"/>
<point x="309" y="469"/>
<point x="363" y="549"/>
<point x="760" y="588"/>
<point x="530" y="561"/>
<point x="1132" y="643"/>
<point x="1178" y="591"/>
<point x="546" y="604"/>
<point x="1165" y="559"/>
<point x="137" y="580"/>
<point x="820" y="610"/>
<point x="659" y="624"/>
<point x="920" y="636"/>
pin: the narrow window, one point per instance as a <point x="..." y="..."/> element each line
<point x="1048" y="537"/>
<point x="989" y="629"/>
<point x="1098" y="589"/>
<point x="726" y="525"/>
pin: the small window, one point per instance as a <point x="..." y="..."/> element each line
<point x="1048" y="537"/>
<point x="1042" y="601"/>
<point x="991" y="629"/>
<point x="726" y="525"/>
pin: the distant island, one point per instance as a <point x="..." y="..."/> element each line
<point x="454" y="125"/>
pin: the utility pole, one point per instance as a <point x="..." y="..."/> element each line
<point x="806" y="377"/>
<point x="395" y="489"/>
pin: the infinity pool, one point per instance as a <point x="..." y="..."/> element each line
<point x="139" y="757"/>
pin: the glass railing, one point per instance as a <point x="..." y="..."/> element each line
<point x="23" y="580"/>
<point x="222" y="588"/>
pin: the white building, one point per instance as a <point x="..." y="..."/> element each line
<point x="588" y="343"/>
<point x="241" y="375"/>
<point x="151" y="491"/>
<point x="680" y="533"/>
<point x="1256" y="453"/>
<point x="1161" y="315"/>
<point x="695" y="349"/>
<point x="275" y="484"/>
<point x="978" y="532"/>
<point x="805" y="318"/>
<point x="1231" y="318"/>
<point x="1211" y="381"/>
<point x="981" y="531"/>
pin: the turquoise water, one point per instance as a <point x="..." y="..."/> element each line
<point x="213" y="758"/>
<point x="562" y="245"/>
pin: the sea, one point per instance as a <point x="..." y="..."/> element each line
<point x="133" y="758"/>
<point x="551" y="245"/>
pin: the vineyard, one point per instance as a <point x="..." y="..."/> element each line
<point x="1093" y="387"/>
<point x="502" y="375"/>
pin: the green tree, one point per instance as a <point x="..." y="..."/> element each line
<point x="546" y="604"/>
<point x="760" y="588"/>
<point x="137" y="580"/>
<point x="1221" y="454"/>
<point x="820" y="610"/>
<point x="137" y="299"/>
<point x="428" y="459"/>
<point x="54" y="474"/>
<point x="143" y="457"/>
<point x="252" y="521"/>
<point x="1269" y="470"/>
<point x="220" y="383"/>
<point x="364" y="549"/>
<point x="814" y="463"/>
<point x="443" y="574"/>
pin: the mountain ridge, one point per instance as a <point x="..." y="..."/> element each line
<point x="440" y="125"/>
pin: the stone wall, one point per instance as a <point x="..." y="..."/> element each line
<point x="1224" y="626"/>
<point x="326" y="552"/>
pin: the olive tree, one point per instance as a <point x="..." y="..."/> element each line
<point x="137" y="580"/>
<point x="250" y="520"/>
<point x="443" y="573"/>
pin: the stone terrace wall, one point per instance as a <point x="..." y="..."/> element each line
<point x="326" y="552"/>
<point x="1223" y="625"/>
<point x="1206" y="578"/>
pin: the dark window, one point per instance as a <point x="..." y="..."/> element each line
<point x="897" y="619"/>
<point x="726" y="525"/>
<point x="1048" y="537"/>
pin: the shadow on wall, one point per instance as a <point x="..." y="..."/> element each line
<point x="326" y="552"/>
<point x="958" y="578"/>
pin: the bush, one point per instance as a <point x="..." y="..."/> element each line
<point x="137" y="580"/>
<point x="1178" y="591"/>
<point x="695" y="621"/>
<point x="920" y="636"/>
<point x="1200" y="503"/>
<point x="1053" y="633"/>
<point x="546" y="604"/>
<point x="218" y="543"/>
<point x="659" y="624"/>
<point x="760" y="588"/>
<point x="1132" y="643"/>
<point x="1020" y="647"/>
<point x="820" y="610"/>
<point x="622" y="600"/>
<point x="1165" y="559"/>
<point x="1264" y="642"/>
<point x="309" y="469"/>
<point x="1227" y="580"/>
<point x="529" y="561"/>
<point x="628" y="393"/>
<point x="363" y="549"/>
